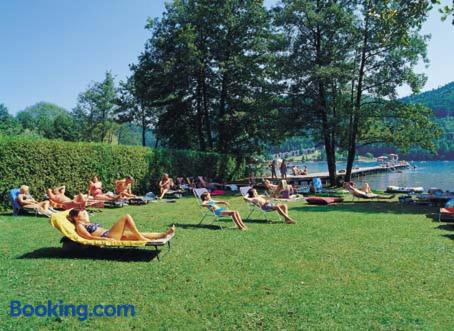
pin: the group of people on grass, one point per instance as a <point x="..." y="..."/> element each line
<point x="125" y="228"/>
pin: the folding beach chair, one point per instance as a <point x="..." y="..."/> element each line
<point x="204" y="210"/>
<point x="253" y="207"/>
<point x="17" y="208"/>
<point x="72" y="239"/>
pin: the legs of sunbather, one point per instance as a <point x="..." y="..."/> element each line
<point x="125" y="223"/>
<point x="149" y="235"/>
<point x="283" y="211"/>
<point x="43" y="207"/>
<point x="164" y="190"/>
<point x="236" y="218"/>
<point x="125" y="228"/>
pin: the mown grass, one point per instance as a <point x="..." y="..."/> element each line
<point x="357" y="265"/>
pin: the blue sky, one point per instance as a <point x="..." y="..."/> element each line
<point x="52" y="49"/>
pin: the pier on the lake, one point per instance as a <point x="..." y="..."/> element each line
<point x="324" y="176"/>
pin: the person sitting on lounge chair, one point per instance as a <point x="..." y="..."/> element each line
<point x="25" y="200"/>
<point x="266" y="205"/>
<point x="165" y="185"/>
<point x="95" y="190"/>
<point x="123" y="187"/>
<point x="57" y="195"/>
<point x="365" y="192"/>
<point x="124" y="229"/>
<point x="208" y="202"/>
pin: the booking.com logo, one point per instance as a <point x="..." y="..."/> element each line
<point x="61" y="309"/>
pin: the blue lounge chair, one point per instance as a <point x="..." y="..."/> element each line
<point x="17" y="208"/>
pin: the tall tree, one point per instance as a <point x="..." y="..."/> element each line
<point x="95" y="109"/>
<point x="209" y="59"/>
<point x="8" y="124"/>
<point x="314" y="66"/>
<point x="133" y="108"/>
<point x="389" y="45"/>
<point x="48" y="120"/>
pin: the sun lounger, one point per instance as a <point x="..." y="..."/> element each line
<point x="204" y="210"/>
<point x="17" y="208"/>
<point x="367" y="196"/>
<point x="254" y="207"/>
<point x="60" y="222"/>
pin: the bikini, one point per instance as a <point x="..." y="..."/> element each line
<point x="216" y="211"/>
<point x="267" y="206"/>
<point x="95" y="190"/>
<point x="92" y="227"/>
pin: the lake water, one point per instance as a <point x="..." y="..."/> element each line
<point x="427" y="174"/>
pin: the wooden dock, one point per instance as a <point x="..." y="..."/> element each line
<point x="324" y="176"/>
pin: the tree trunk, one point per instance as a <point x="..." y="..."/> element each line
<point x="330" y="147"/>
<point x="357" y="106"/>
<point x="144" y="129"/>
<point x="206" y="111"/>
<point x="222" y="143"/>
<point x="199" y="114"/>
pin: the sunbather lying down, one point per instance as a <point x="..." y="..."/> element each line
<point x="57" y="195"/>
<point x="25" y="200"/>
<point x="266" y="205"/>
<point x="124" y="229"/>
<point x="365" y="192"/>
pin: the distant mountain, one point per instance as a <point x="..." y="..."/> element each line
<point x="440" y="100"/>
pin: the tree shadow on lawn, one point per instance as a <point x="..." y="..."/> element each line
<point x="93" y="253"/>
<point x="368" y="207"/>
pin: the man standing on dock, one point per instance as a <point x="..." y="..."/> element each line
<point x="273" y="168"/>
<point x="283" y="169"/>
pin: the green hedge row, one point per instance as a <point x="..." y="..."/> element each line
<point x="46" y="163"/>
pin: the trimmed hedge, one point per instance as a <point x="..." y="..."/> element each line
<point x="41" y="164"/>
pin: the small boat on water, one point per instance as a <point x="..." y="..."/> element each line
<point x="399" y="189"/>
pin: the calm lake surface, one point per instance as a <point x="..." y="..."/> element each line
<point x="427" y="174"/>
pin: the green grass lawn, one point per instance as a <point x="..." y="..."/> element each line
<point x="357" y="265"/>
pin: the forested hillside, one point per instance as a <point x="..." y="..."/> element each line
<point x="441" y="101"/>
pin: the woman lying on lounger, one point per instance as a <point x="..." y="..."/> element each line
<point x="219" y="211"/>
<point x="268" y="206"/>
<point x="95" y="190"/>
<point x="124" y="229"/>
<point x="25" y="200"/>
<point x="365" y="192"/>
<point x="57" y="195"/>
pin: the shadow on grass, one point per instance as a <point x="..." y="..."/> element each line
<point x="93" y="253"/>
<point x="369" y="207"/>
<point x="196" y="226"/>
<point x="447" y="227"/>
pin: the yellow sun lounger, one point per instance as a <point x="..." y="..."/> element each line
<point x="60" y="222"/>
